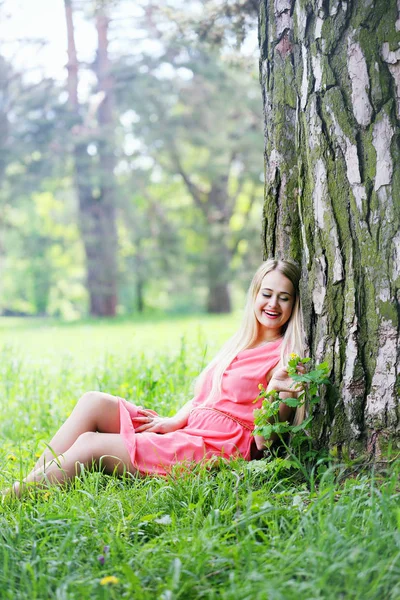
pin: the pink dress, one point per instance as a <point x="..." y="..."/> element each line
<point x="221" y="428"/>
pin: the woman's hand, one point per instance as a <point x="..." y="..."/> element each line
<point x="282" y="382"/>
<point x="148" y="421"/>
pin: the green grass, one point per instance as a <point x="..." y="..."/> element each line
<point x="259" y="530"/>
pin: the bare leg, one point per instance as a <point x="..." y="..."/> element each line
<point x="94" y="411"/>
<point x="106" y="450"/>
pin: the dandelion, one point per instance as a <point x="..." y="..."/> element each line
<point x="12" y="457"/>
<point x="110" y="579"/>
<point x="260" y="386"/>
<point x="293" y="355"/>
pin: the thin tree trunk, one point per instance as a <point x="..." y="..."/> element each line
<point x="216" y="207"/>
<point x="330" y="75"/>
<point x="96" y="202"/>
<point x="218" y="259"/>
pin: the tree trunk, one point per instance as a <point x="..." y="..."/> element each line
<point x="95" y="175"/>
<point x="217" y="207"/>
<point x="330" y="76"/>
<point x="218" y="259"/>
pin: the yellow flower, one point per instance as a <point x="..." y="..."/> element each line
<point x="294" y="355"/>
<point x="12" y="457"/>
<point x="109" y="579"/>
<point x="46" y="495"/>
<point x="260" y="386"/>
<point x="38" y="454"/>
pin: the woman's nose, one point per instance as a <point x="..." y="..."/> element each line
<point x="273" y="301"/>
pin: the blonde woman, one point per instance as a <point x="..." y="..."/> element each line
<point x="118" y="436"/>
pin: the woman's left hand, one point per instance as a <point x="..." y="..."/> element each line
<point x="154" y="423"/>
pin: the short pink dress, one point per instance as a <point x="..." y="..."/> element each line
<point x="219" y="428"/>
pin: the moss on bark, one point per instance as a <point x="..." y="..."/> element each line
<point x="342" y="216"/>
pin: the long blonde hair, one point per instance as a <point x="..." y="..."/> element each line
<point x="247" y="334"/>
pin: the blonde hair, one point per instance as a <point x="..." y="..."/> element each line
<point x="247" y="334"/>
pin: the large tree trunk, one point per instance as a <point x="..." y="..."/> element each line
<point x="330" y="75"/>
<point x="94" y="176"/>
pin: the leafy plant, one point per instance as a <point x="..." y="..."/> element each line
<point x="266" y="418"/>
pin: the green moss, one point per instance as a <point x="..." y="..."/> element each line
<point x="341" y="430"/>
<point x="290" y="95"/>
<point x="263" y="37"/>
<point x="333" y="100"/>
<point x="368" y="155"/>
<point x="388" y="311"/>
<point x="328" y="76"/>
<point x="369" y="320"/>
<point x="332" y="30"/>
<point x="337" y="63"/>
<point x="395" y="152"/>
<point x="383" y="22"/>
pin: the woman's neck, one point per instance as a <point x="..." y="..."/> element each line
<point x="261" y="341"/>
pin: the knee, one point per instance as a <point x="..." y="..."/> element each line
<point x="86" y="439"/>
<point x="97" y="401"/>
<point x="84" y="448"/>
<point x="90" y="398"/>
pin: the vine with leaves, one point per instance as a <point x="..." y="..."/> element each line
<point x="266" y="418"/>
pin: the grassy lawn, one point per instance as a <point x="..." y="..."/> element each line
<point x="269" y="530"/>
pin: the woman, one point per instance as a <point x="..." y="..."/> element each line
<point x="120" y="437"/>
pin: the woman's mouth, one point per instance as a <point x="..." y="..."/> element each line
<point x="271" y="314"/>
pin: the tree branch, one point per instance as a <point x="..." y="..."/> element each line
<point x="253" y="196"/>
<point x="193" y="190"/>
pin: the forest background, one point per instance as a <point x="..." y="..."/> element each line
<point x="131" y="157"/>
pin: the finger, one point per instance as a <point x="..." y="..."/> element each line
<point x="145" y="427"/>
<point x="142" y="419"/>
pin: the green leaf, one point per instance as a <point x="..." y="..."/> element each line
<point x="292" y="402"/>
<point x="302" y="425"/>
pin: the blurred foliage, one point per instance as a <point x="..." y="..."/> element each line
<point x="188" y="171"/>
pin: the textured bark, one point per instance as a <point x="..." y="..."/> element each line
<point x="330" y="76"/>
<point x="95" y="177"/>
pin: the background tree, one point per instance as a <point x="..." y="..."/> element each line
<point x="184" y="127"/>
<point x="199" y="119"/>
<point x="93" y="150"/>
<point x="38" y="238"/>
<point x="330" y="74"/>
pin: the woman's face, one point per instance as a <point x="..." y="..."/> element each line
<point x="274" y="304"/>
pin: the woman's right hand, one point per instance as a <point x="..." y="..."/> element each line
<point x="148" y="421"/>
<point x="282" y="382"/>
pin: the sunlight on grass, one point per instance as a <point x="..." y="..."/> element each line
<point x="43" y="339"/>
<point x="279" y="528"/>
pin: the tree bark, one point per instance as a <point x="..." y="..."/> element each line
<point x="94" y="176"/>
<point x="330" y="76"/>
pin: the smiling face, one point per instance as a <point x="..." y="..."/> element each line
<point x="273" y="305"/>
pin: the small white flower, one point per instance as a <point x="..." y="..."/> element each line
<point x="164" y="520"/>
